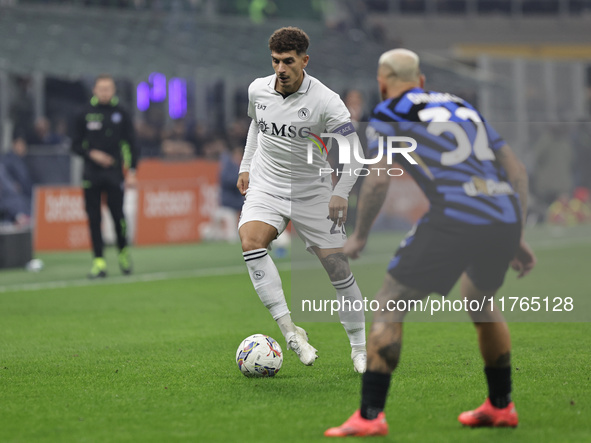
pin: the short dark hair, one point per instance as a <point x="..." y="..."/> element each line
<point x="103" y="77"/>
<point x="289" y="39"/>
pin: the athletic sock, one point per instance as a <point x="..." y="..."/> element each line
<point x="374" y="390"/>
<point x="499" y="386"/>
<point x="286" y="325"/>
<point x="266" y="281"/>
<point x="351" y="313"/>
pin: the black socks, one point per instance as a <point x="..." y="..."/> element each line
<point x="499" y="386"/>
<point x="374" y="391"/>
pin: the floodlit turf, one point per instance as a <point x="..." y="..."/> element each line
<point x="153" y="361"/>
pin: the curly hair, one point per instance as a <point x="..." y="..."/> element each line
<point x="289" y="39"/>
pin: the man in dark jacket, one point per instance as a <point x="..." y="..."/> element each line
<point x="17" y="168"/>
<point x="104" y="137"/>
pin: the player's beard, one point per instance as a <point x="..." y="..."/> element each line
<point x="383" y="93"/>
<point x="284" y="85"/>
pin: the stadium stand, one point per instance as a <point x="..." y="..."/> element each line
<point x="493" y="53"/>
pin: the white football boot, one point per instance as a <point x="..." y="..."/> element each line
<point x="298" y="343"/>
<point x="359" y="361"/>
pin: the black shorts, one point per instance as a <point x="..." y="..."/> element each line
<point x="434" y="255"/>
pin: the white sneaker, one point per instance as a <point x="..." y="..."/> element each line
<point x="359" y="361"/>
<point x="298" y="343"/>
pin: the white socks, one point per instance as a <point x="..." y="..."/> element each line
<point x="352" y="320"/>
<point x="266" y="281"/>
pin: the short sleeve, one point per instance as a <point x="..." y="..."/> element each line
<point x="337" y="116"/>
<point x="251" y="99"/>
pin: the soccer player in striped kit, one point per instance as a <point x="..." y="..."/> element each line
<point x="477" y="189"/>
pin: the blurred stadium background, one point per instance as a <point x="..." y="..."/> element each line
<point x="183" y="67"/>
<point x="150" y="357"/>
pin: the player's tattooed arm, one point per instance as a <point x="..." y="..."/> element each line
<point x="525" y="259"/>
<point x="517" y="175"/>
<point x="371" y="198"/>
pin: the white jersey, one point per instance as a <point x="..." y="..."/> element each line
<point x="285" y="127"/>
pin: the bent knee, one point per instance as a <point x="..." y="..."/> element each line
<point x="250" y="244"/>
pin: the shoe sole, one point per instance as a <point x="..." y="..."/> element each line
<point x="490" y="425"/>
<point x="376" y="433"/>
<point x="498" y="424"/>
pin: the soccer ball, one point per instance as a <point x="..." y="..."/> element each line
<point x="259" y="356"/>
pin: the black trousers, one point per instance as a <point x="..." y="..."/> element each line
<point x="111" y="184"/>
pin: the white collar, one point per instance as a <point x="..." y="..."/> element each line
<point x="304" y="87"/>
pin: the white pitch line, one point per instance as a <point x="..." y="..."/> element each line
<point x="137" y="278"/>
<point x="548" y="243"/>
<point x="169" y="275"/>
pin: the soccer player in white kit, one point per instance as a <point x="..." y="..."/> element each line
<point x="280" y="185"/>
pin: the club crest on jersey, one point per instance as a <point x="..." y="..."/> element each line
<point x="116" y="117"/>
<point x="304" y="113"/>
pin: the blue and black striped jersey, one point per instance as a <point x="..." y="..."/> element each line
<point x="456" y="166"/>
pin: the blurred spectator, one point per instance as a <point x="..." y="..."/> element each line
<point x="150" y="129"/>
<point x="356" y="105"/>
<point x="61" y="129"/>
<point x="551" y="176"/>
<point x="17" y="170"/>
<point x="198" y="136"/>
<point x="176" y="142"/>
<point x="179" y="130"/>
<point x="229" y="166"/>
<point x="14" y="207"/>
<point x="177" y="149"/>
<point x="214" y="147"/>
<point x="566" y="211"/>
<point x="237" y="132"/>
<point x="42" y="134"/>
<point x="148" y="139"/>
<point x="224" y="223"/>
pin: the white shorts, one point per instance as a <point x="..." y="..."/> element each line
<point x="309" y="217"/>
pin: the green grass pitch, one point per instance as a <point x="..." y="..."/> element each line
<point x="150" y="358"/>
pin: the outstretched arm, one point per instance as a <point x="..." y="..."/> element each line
<point x="371" y="198"/>
<point x="525" y="259"/>
<point x="517" y="175"/>
<point x="339" y="202"/>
